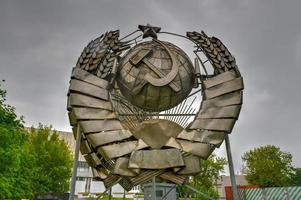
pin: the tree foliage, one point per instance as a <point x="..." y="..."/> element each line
<point x="296" y="179"/>
<point x="205" y="181"/>
<point x="268" y="166"/>
<point x="53" y="160"/>
<point x="28" y="159"/>
<point x="14" y="178"/>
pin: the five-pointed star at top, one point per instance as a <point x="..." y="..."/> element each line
<point x="149" y="31"/>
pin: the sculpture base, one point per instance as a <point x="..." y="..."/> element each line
<point x="161" y="190"/>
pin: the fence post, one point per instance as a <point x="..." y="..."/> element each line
<point x="243" y="193"/>
<point x="110" y="193"/>
<point x="287" y="193"/>
<point x="154" y="195"/>
<point x="264" y="196"/>
<point x="75" y="163"/>
<point x="231" y="169"/>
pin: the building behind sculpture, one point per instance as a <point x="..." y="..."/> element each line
<point x="225" y="181"/>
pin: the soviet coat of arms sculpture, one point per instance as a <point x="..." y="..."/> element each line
<point x="130" y="98"/>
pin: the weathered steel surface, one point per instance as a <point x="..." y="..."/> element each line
<point x="90" y="102"/>
<point x="165" y="78"/>
<point x="233" y="98"/>
<point x="92" y="159"/>
<point x="85" y="76"/>
<point x="93" y="126"/>
<point x="102" y="173"/>
<point x="204" y="136"/>
<point x="221" y="78"/>
<point x="132" y="149"/>
<point x="192" y="165"/>
<point x="117" y="150"/>
<point x="72" y="118"/>
<point x="156" y="159"/>
<point x="121" y="167"/>
<point x="69" y="107"/>
<point x="101" y="138"/>
<point x="93" y="113"/>
<point x="213" y="124"/>
<point x="88" y="89"/>
<point x="199" y="149"/>
<point x="157" y="132"/>
<point x="220" y="112"/>
<point x="141" y="145"/>
<point x="74" y="132"/>
<point x="224" y="88"/>
<point x="145" y="77"/>
<point x="172" y="142"/>
<point x="85" y="148"/>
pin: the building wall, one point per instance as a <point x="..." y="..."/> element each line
<point x="226" y="181"/>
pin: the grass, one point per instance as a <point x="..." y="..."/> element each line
<point x="107" y="198"/>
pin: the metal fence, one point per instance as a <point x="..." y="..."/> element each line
<point x="273" y="193"/>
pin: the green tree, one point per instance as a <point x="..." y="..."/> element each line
<point x="30" y="162"/>
<point x="268" y="166"/>
<point x="296" y="179"/>
<point x="205" y="181"/>
<point x="15" y="159"/>
<point x="53" y="160"/>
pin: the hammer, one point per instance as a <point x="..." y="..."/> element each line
<point x="140" y="57"/>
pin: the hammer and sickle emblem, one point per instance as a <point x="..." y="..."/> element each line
<point x="164" y="79"/>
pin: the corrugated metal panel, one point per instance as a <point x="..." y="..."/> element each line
<point x="273" y="193"/>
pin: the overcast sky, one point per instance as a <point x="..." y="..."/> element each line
<point x="40" y="42"/>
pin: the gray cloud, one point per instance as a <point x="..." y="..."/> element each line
<point x="41" y="40"/>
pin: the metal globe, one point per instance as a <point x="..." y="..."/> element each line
<point x="155" y="75"/>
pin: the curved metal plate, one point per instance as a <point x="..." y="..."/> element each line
<point x="93" y="126"/>
<point x="92" y="159"/>
<point x="93" y="113"/>
<point x="156" y="159"/>
<point x="117" y="150"/>
<point x="218" y="79"/>
<point x="192" y="165"/>
<point x="233" y="98"/>
<point x="89" y="102"/>
<point x="225" y="125"/>
<point x="89" y="78"/>
<point x="88" y="89"/>
<point x="199" y="149"/>
<point x="220" y="112"/>
<point x="106" y="137"/>
<point x="204" y="136"/>
<point x="121" y="167"/>
<point x="224" y="88"/>
<point x="157" y="132"/>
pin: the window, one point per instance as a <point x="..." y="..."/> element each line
<point x="96" y="179"/>
<point x="159" y="193"/>
<point x="83" y="166"/>
<point x="80" y="178"/>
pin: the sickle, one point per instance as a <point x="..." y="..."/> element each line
<point x="168" y="77"/>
